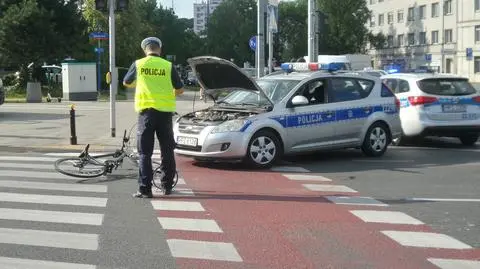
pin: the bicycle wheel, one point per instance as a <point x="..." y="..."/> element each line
<point x="82" y="168"/>
<point x="158" y="176"/>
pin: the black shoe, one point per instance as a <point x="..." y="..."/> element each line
<point x="166" y="191"/>
<point x="142" y="195"/>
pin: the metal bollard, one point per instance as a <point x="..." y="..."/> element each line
<point x="73" y="135"/>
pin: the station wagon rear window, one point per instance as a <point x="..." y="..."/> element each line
<point x="446" y="86"/>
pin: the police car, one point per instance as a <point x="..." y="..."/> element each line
<point x="436" y="105"/>
<point x="306" y="107"/>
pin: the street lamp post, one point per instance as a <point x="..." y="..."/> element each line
<point x="260" y="46"/>
<point x="113" y="84"/>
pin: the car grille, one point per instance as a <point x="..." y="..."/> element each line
<point x="190" y="129"/>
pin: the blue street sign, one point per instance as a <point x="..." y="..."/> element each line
<point x="98" y="35"/>
<point x="428" y="57"/>
<point x="99" y="50"/>
<point x="469" y="52"/>
<point x="253" y="43"/>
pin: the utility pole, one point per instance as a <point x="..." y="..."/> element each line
<point x="272" y="28"/>
<point x="113" y="84"/>
<point x="443" y="38"/>
<point x="260" y="47"/>
<point x="312" y="57"/>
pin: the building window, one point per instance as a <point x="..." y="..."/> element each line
<point x="477" y="64"/>
<point x="435" y="10"/>
<point x="477" y="33"/>
<point x="422" y="38"/>
<point x="448" y="36"/>
<point x="372" y="21"/>
<point x="400" y="40"/>
<point x="411" y="14"/>
<point x="447" y="7"/>
<point x="477" y="5"/>
<point x="380" y="19"/>
<point x="372" y="2"/>
<point x="390" y="17"/>
<point x="411" y="39"/>
<point x="400" y="16"/>
<point x="390" y="41"/>
<point x="422" y="11"/>
<point x="434" y="37"/>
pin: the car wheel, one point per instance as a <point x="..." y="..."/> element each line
<point x="469" y="140"/>
<point x="376" y="140"/>
<point x="263" y="149"/>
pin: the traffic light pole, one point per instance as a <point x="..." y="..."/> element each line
<point x="113" y="84"/>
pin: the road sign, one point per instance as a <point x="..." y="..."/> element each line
<point x="469" y="52"/>
<point x="428" y="57"/>
<point x="253" y="43"/>
<point x="99" y="35"/>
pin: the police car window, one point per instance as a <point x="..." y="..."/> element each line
<point x="403" y="86"/>
<point x="349" y="89"/>
<point x="392" y="84"/>
<point x="315" y="91"/>
<point x="446" y="86"/>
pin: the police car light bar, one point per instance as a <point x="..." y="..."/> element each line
<point x="302" y="67"/>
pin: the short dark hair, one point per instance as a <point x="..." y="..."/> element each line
<point x="152" y="47"/>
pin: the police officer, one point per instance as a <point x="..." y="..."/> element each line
<point x="157" y="84"/>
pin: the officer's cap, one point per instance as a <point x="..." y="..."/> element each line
<point x="151" y="40"/>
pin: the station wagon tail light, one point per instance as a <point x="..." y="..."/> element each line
<point x="476" y="99"/>
<point x="421" y="100"/>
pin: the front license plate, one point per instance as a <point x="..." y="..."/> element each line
<point x="187" y="141"/>
<point x="454" y="108"/>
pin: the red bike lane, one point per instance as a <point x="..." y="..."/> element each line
<point x="257" y="219"/>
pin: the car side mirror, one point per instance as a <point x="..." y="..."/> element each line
<point x="299" y="100"/>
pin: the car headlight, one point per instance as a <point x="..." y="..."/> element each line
<point x="230" y="126"/>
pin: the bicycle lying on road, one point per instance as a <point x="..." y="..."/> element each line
<point x="91" y="166"/>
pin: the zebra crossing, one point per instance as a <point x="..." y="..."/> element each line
<point x="46" y="219"/>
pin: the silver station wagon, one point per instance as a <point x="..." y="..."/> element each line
<point x="306" y="107"/>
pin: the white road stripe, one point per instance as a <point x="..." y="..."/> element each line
<point x="455" y="264"/>
<point x="183" y="224"/>
<point x="28" y="159"/>
<point x="27" y="165"/>
<point x="74" y="154"/>
<point x="14" y="263"/>
<point x="425" y="240"/>
<point x="52" y="199"/>
<point x="328" y="188"/>
<point x="33" y="174"/>
<point x="49" y="239"/>
<point x="355" y="200"/>
<point x="382" y="161"/>
<point x="177" y="206"/>
<point x="307" y="177"/>
<point x="203" y="250"/>
<point x="289" y="169"/>
<point x="52" y="186"/>
<point x="443" y="200"/>
<point x="177" y="192"/>
<point x="51" y="216"/>
<point x="390" y="217"/>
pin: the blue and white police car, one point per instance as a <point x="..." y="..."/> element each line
<point x="306" y="107"/>
<point x="436" y="105"/>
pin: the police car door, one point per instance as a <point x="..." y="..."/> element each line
<point x="310" y="126"/>
<point x="349" y="96"/>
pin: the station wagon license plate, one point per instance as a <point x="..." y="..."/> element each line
<point x="187" y="141"/>
<point x="454" y="108"/>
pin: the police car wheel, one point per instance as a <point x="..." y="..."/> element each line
<point x="263" y="149"/>
<point x="469" y="140"/>
<point x="376" y="140"/>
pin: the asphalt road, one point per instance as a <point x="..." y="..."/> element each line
<point x="437" y="182"/>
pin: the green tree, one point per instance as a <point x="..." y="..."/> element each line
<point x="293" y="29"/>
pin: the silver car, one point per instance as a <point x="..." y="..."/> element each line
<point x="285" y="113"/>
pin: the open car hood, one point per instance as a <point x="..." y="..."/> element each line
<point x="216" y="75"/>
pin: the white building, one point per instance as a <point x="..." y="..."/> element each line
<point x="418" y="32"/>
<point x="200" y="14"/>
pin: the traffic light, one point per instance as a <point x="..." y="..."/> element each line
<point x="101" y="5"/>
<point x="122" y="5"/>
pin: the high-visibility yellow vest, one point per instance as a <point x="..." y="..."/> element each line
<point x="154" y="87"/>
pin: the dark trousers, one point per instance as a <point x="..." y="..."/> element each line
<point x="151" y="122"/>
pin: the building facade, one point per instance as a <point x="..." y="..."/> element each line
<point x="443" y="35"/>
<point x="201" y="11"/>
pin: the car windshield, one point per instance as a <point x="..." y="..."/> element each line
<point x="446" y="86"/>
<point x="277" y="89"/>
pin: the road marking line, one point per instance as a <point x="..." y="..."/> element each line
<point x="177" y="206"/>
<point x="358" y="201"/>
<point x="203" y="250"/>
<point x="181" y="181"/>
<point x="425" y="240"/>
<point x="33" y="174"/>
<point x="328" y="188"/>
<point x="74" y="154"/>
<point x="49" y="239"/>
<point x="289" y="169"/>
<point x="51" y="216"/>
<point x="455" y="264"/>
<point x="382" y="161"/>
<point x="390" y="217"/>
<point x="177" y="192"/>
<point x="13" y="263"/>
<point x="52" y="186"/>
<point x="442" y="200"/>
<point x="28" y="159"/>
<point x="307" y="177"/>
<point x="52" y="199"/>
<point x="27" y="165"/>
<point x="183" y="224"/>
